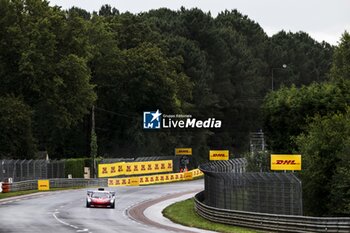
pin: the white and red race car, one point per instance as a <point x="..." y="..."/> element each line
<point x="100" y="198"/>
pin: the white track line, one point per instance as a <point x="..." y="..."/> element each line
<point x="63" y="222"/>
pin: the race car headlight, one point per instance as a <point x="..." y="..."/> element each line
<point x="112" y="200"/>
<point x="89" y="199"/>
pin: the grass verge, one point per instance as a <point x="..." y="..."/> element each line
<point x="20" y="193"/>
<point x="183" y="213"/>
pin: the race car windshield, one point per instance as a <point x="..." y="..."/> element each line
<point x="100" y="195"/>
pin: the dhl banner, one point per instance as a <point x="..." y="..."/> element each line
<point x="183" y="151"/>
<point x="285" y="162"/>
<point x="154" y="179"/>
<point x="43" y="184"/>
<point x="134" y="168"/>
<point x="219" y="155"/>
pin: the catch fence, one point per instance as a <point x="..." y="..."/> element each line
<point x="228" y="186"/>
<point x="59" y="183"/>
<point x="20" y="170"/>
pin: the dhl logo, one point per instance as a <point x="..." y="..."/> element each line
<point x="218" y="154"/>
<point x="286" y="162"/>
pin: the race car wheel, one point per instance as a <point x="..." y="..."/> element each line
<point x="113" y="206"/>
<point x="87" y="205"/>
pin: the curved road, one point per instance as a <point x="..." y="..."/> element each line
<point x="65" y="211"/>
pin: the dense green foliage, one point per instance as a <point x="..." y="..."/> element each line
<point x="287" y="110"/>
<point x="314" y="120"/>
<point x="75" y="167"/>
<point x="16" y="129"/>
<point x="59" y="64"/>
<point x="326" y="175"/>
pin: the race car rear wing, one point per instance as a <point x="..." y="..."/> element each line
<point x="89" y="192"/>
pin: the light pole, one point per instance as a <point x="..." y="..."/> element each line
<point x="284" y="66"/>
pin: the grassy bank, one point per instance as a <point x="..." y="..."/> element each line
<point x="183" y="213"/>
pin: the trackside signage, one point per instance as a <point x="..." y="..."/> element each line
<point x="183" y="151"/>
<point x="219" y="155"/>
<point x="286" y="162"/>
<point x="134" y="168"/>
<point x="43" y="185"/>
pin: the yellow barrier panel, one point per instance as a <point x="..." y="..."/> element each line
<point x="188" y="176"/>
<point x="154" y="179"/>
<point x="134" y="168"/>
<point x="43" y="185"/>
<point x="196" y="173"/>
<point x="111" y="169"/>
<point x="134" y="181"/>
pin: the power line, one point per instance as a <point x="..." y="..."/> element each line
<point x="116" y="113"/>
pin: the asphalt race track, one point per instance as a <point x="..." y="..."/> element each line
<point x="65" y="211"/>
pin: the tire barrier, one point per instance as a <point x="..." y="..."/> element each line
<point x="6" y="187"/>
<point x="271" y="222"/>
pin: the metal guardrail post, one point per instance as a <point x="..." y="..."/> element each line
<point x="21" y="178"/>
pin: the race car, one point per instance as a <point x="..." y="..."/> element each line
<point x="100" y="198"/>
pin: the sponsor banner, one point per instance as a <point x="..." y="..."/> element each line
<point x="183" y="151"/>
<point x="188" y="175"/>
<point x="196" y="173"/>
<point x="134" y="181"/>
<point x="218" y="154"/>
<point x="115" y="182"/>
<point x="43" y="185"/>
<point x="286" y="162"/>
<point x="111" y="169"/>
<point x="154" y="179"/>
<point x="134" y="168"/>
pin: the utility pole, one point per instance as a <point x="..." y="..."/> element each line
<point x="93" y="142"/>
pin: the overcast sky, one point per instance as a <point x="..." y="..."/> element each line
<point x="321" y="19"/>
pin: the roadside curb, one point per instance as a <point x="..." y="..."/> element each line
<point x="138" y="213"/>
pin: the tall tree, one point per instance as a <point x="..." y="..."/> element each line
<point x="326" y="180"/>
<point x="341" y="65"/>
<point x="287" y="110"/>
<point x="16" y="139"/>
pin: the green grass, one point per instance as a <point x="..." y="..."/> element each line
<point x="183" y="213"/>
<point x="19" y="193"/>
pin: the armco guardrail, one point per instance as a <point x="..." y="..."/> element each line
<point x="58" y="183"/>
<point x="271" y="222"/>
